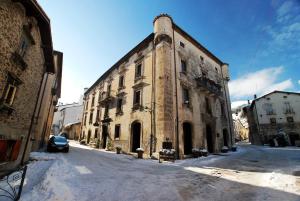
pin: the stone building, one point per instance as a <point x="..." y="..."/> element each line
<point x="65" y="116"/>
<point x="26" y="54"/>
<point x="240" y="123"/>
<point x="273" y="113"/>
<point x="48" y="99"/>
<point x="168" y="87"/>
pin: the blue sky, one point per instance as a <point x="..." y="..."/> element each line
<point x="259" y="39"/>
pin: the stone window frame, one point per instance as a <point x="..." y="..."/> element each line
<point x="139" y="73"/>
<point x="186" y="98"/>
<point x="117" y="131"/>
<point x="121" y="84"/>
<point x="183" y="65"/>
<point x="137" y="105"/>
<point x="9" y="92"/>
<point x="119" y="108"/>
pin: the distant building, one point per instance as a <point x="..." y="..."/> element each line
<point x="274" y="112"/>
<point x="241" y="128"/>
<point x="65" y="116"/>
<point x="26" y="56"/>
<point x="168" y="87"/>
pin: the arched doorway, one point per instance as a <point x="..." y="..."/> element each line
<point x="104" y="136"/>
<point x="225" y="137"/>
<point x="293" y="138"/>
<point x="187" y="138"/>
<point x="209" y="139"/>
<point x="88" y="137"/>
<point x="135" y="136"/>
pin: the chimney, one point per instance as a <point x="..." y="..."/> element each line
<point x="255" y="96"/>
<point x="248" y="102"/>
<point x="85" y="89"/>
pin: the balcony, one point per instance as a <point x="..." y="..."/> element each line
<point x="289" y="111"/>
<point x="106" y="98"/>
<point x="209" y="86"/>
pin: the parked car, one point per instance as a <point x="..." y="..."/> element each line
<point x="64" y="134"/>
<point x="58" y="143"/>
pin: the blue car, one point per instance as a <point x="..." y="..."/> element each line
<point x="58" y="143"/>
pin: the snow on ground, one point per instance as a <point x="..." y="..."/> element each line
<point x="252" y="173"/>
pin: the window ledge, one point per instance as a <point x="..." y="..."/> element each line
<point x="18" y="59"/>
<point x="6" y="108"/>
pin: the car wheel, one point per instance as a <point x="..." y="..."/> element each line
<point x="66" y="150"/>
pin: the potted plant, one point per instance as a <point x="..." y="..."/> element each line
<point x="204" y="152"/>
<point x="234" y="148"/>
<point x="196" y="152"/>
<point x="118" y="149"/>
<point x="140" y="152"/>
<point x="224" y="149"/>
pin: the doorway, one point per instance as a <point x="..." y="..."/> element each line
<point x="88" y="137"/>
<point x="104" y="136"/>
<point x="136" y="136"/>
<point x="187" y="136"/>
<point x="209" y="139"/>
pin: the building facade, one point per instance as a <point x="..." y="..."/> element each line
<point x="273" y="113"/>
<point x="26" y="54"/>
<point x="65" y="116"/>
<point x="48" y="99"/>
<point x="168" y="87"/>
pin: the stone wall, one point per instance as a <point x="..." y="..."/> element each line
<point x="12" y="19"/>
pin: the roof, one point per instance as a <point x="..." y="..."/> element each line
<point x="197" y="44"/>
<point x="140" y="46"/>
<point x="285" y="92"/>
<point x="145" y="42"/>
<point x="35" y="10"/>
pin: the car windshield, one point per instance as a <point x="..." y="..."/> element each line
<point x="60" y="139"/>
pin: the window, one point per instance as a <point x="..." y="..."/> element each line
<point x="121" y="81"/>
<point x="181" y="44"/>
<point x="84" y="122"/>
<point x="223" y="109"/>
<point x="201" y="59"/>
<point x="288" y="109"/>
<point x="137" y="97"/>
<point x="186" y="98"/>
<point x="269" y="108"/>
<point x="117" y="131"/>
<point x="93" y="101"/>
<point x="183" y="66"/>
<point x="273" y="121"/>
<point x="10" y="89"/>
<point x="96" y="133"/>
<point x="98" y="115"/>
<point x="119" y="105"/>
<point x="91" y="118"/>
<point x="24" y="44"/>
<point x="138" y="71"/>
<point x="290" y="119"/>
<point x="108" y="90"/>
<point x="106" y="110"/>
<point x="87" y="104"/>
<point x="284" y="96"/>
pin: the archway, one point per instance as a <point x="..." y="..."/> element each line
<point x="293" y="138"/>
<point x="136" y="136"/>
<point x="225" y="137"/>
<point x="104" y="136"/>
<point x="187" y="136"/>
<point x="209" y="139"/>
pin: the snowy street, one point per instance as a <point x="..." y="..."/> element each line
<point x="86" y="174"/>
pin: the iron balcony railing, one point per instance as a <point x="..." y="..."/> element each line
<point x="209" y="85"/>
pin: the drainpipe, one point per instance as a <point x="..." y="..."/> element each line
<point x="32" y="120"/>
<point x="152" y="107"/>
<point x="176" y="102"/>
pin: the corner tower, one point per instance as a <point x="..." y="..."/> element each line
<point x="164" y="79"/>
